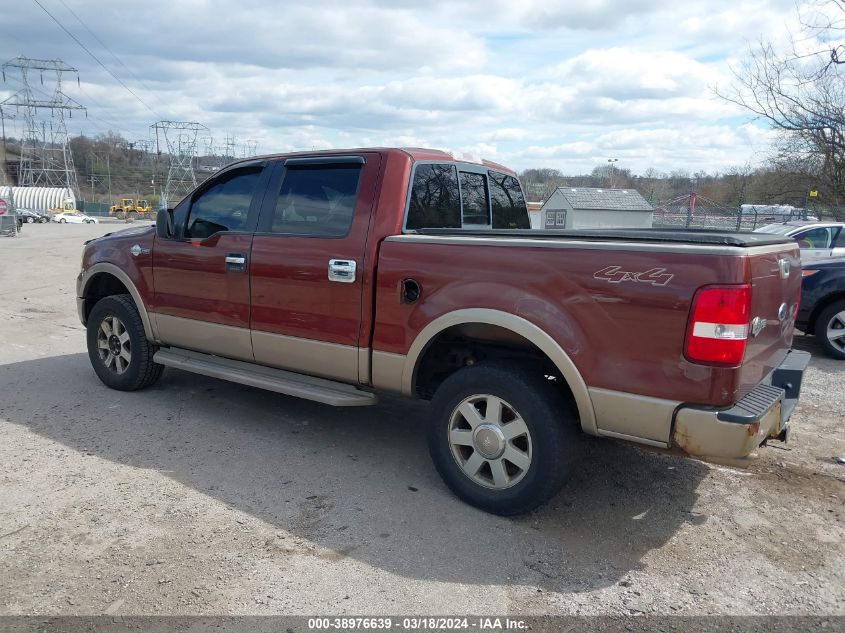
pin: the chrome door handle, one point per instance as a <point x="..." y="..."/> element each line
<point x="342" y="270"/>
<point x="235" y="263"/>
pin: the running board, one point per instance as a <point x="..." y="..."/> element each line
<point x="337" y="394"/>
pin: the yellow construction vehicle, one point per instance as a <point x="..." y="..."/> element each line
<point x="68" y="206"/>
<point x="131" y="209"/>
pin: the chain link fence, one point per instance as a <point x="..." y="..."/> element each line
<point x="96" y="209"/>
<point x="723" y="222"/>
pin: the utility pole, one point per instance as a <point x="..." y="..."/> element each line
<point x="180" y="139"/>
<point x="97" y="163"/>
<point x="610" y="162"/>
<point x="3" y="164"/>
<point x="46" y="160"/>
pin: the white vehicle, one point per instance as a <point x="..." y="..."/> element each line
<point x="817" y="240"/>
<point x="74" y="217"/>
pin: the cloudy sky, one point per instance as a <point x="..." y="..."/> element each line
<point x="530" y="83"/>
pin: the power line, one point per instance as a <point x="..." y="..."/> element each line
<point x="95" y="120"/>
<point x="105" y="46"/>
<point x="95" y="58"/>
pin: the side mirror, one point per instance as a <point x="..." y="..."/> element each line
<point x="164" y="224"/>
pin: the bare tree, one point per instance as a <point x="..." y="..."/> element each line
<point x="803" y="95"/>
<point x="823" y="21"/>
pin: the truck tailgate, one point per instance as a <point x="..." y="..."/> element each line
<point x="775" y="277"/>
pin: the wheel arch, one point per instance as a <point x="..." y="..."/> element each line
<point x="103" y="280"/>
<point x="514" y="325"/>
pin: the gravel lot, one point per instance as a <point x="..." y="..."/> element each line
<point x="203" y="497"/>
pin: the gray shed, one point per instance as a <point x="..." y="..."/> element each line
<point x="591" y="208"/>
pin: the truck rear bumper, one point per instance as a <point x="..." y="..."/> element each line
<point x="731" y="435"/>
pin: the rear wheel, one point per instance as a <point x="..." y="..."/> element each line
<point x="30" y="220"/>
<point x="830" y="329"/>
<point x="502" y="436"/>
<point x="62" y="221"/>
<point x="118" y="348"/>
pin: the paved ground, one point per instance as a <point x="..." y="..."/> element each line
<point x="199" y="496"/>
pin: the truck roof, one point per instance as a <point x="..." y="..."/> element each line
<point x="415" y="153"/>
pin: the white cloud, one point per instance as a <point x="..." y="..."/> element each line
<point x="528" y="83"/>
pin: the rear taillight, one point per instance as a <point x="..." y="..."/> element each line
<point x="718" y="327"/>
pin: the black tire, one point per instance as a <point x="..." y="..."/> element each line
<point x="30" y="220"/>
<point x="828" y="319"/>
<point x="549" y="416"/>
<point x="62" y="221"/>
<point x="141" y="371"/>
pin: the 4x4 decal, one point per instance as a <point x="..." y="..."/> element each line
<point x="653" y="276"/>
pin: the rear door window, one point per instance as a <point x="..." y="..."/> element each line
<point x="317" y="200"/>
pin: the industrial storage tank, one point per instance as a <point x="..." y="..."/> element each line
<point x="43" y="198"/>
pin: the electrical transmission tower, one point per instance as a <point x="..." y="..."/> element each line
<point x="250" y="148"/>
<point x="228" y="150"/>
<point x="46" y="160"/>
<point x="180" y="140"/>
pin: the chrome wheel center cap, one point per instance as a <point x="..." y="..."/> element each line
<point x="489" y="440"/>
<point x="114" y="344"/>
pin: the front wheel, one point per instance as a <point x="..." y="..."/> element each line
<point x="830" y="330"/>
<point x="502" y="436"/>
<point x="118" y="348"/>
<point x="30" y="220"/>
<point x="62" y="221"/>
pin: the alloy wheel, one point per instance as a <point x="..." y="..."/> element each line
<point x="113" y="344"/>
<point x="836" y="331"/>
<point x="490" y="441"/>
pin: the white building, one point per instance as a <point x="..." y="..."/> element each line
<point x="591" y="208"/>
<point x="40" y="198"/>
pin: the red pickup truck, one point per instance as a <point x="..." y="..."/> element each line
<point x="335" y="275"/>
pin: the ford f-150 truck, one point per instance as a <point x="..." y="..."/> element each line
<point x="336" y="275"/>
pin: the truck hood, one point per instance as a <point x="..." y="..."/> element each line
<point x="133" y="231"/>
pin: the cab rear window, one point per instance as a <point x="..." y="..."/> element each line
<point x="509" y="208"/>
<point x="435" y="198"/>
<point x="443" y="197"/>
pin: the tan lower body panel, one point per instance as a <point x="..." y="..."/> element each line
<point x="306" y="356"/>
<point x="387" y="371"/>
<point x="637" y="418"/>
<point x="203" y="336"/>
